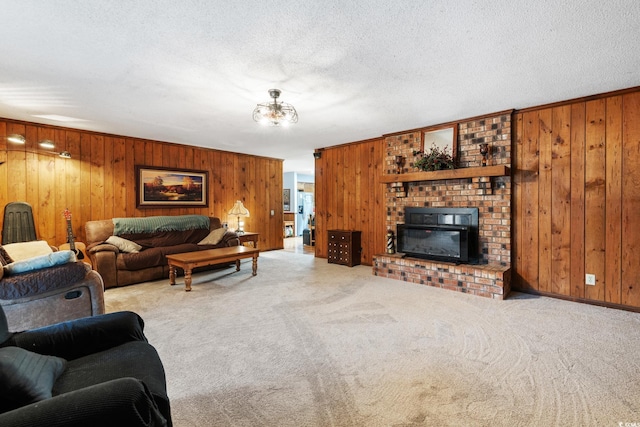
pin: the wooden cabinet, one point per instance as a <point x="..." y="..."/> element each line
<point x="344" y="247"/>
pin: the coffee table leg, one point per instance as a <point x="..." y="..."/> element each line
<point x="187" y="279"/>
<point x="255" y="264"/>
<point x="237" y="265"/>
<point x="172" y="274"/>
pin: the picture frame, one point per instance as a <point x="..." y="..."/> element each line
<point x="441" y="137"/>
<point x="160" y="187"/>
<point x="286" y="199"/>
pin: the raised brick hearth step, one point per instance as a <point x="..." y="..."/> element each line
<point x="486" y="280"/>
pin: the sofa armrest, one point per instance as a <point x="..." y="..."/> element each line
<point x="230" y="238"/>
<point x="99" y="247"/>
<point x="124" y="401"/>
<point x="103" y="258"/>
<point x="76" y="338"/>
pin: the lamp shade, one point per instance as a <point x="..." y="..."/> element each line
<point x="238" y="209"/>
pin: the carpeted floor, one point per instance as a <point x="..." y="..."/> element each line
<point x="307" y="343"/>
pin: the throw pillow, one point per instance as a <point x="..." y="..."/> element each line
<point x="214" y="237"/>
<point x="123" y="244"/>
<point x="38" y="262"/>
<point x="27" y="377"/>
<point x="26" y="250"/>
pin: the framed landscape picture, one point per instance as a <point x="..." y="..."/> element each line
<point x="159" y="187"/>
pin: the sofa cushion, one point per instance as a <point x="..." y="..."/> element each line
<point x="123" y="244"/>
<point x="214" y="237"/>
<point x="38" y="262"/>
<point x="25" y="250"/>
<point x="152" y="257"/>
<point x="26" y="377"/>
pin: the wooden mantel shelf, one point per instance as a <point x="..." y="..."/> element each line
<point x="497" y="170"/>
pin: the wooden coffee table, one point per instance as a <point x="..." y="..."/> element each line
<point x="190" y="260"/>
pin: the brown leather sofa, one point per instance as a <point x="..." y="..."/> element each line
<point x="119" y="268"/>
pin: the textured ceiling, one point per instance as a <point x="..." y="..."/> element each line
<point x="192" y="71"/>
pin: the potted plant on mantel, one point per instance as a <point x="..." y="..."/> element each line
<point x="434" y="159"/>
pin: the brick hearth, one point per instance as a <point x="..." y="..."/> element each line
<point x="491" y="195"/>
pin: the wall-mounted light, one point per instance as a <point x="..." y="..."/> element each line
<point x="16" y="138"/>
<point x="317" y="154"/>
<point x="45" y="143"/>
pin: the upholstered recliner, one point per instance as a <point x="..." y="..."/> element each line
<point x="94" y="371"/>
<point x="43" y="292"/>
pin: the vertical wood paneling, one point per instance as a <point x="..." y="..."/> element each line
<point x="98" y="182"/>
<point x="85" y="178"/>
<point x="73" y="192"/>
<point x="516" y="210"/>
<point x="630" y="200"/>
<point x="545" y="189"/>
<point x="594" y="242"/>
<point x="529" y="227"/>
<point x="613" y="204"/>
<point x="97" y="177"/>
<point x="350" y="196"/>
<point x="577" y="200"/>
<point x="594" y="200"/>
<point x="321" y="204"/>
<point x="561" y="205"/>
<point x="108" y="179"/>
<point x="119" y="177"/>
<point x="32" y="172"/>
<point x="47" y="216"/>
<point x="4" y="177"/>
<point x="60" y="195"/>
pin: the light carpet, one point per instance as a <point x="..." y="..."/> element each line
<point x="307" y="343"/>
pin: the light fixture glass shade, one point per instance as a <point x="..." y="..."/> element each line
<point x="275" y="113"/>
<point x="16" y="138"/>
<point x="47" y="144"/>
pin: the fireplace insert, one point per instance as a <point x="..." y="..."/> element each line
<point x="444" y="234"/>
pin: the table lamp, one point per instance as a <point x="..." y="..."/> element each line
<point x="239" y="210"/>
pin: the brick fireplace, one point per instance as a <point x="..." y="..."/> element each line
<point x="488" y="189"/>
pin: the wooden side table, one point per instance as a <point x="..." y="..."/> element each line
<point x="247" y="237"/>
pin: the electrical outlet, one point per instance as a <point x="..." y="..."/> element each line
<point x="273" y="212"/>
<point x="590" y="279"/>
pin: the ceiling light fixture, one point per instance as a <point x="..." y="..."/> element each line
<point x="16" y="139"/>
<point x="275" y="113"/>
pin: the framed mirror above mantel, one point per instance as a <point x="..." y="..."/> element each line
<point x="444" y="137"/>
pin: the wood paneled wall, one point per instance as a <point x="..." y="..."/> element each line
<point x="577" y="199"/>
<point x="98" y="182"/>
<point x="349" y="195"/>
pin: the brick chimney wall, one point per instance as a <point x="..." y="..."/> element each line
<point x="491" y="195"/>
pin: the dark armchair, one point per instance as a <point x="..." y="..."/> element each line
<point x="97" y="371"/>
